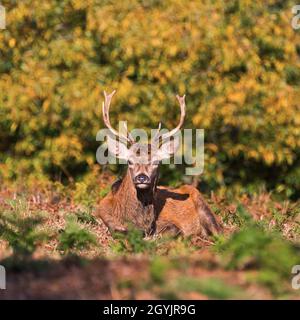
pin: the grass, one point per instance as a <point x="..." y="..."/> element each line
<point x="252" y="259"/>
<point x="74" y="237"/>
<point x="132" y="242"/>
<point x="212" y="288"/>
<point x="86" y="217"/>
<point x="253" y="248"/>
<point x="20" y="228"/>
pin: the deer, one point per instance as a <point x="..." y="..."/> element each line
<point x="137" y="199"/>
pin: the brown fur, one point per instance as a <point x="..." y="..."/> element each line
<point x="157" y="209"/>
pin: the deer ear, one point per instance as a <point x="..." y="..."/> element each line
<point x="117" y="148"/>
<point x="168" y="148"/>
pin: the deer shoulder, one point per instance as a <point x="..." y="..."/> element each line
<point x="107" y="210"/>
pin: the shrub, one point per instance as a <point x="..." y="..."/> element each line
<point x="74" y="237"/>
<point x="236" y="61"/>
<point x="131" y="242"/>
<point x="20" y="229"/>
<point x="255" y="247"/>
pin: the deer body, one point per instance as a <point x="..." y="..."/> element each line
<point x="185" y="210"/>
<point x="137" y="199"/>
<point x="179" y="211"/>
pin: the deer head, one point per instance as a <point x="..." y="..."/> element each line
<point x="143" y="159"/>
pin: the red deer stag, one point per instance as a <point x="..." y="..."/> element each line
<point x="138" y="200"/>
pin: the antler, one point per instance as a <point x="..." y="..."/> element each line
<point x="105" y="112"/>
<point x="167" y="135"/>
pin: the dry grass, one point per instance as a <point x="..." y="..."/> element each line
<point x="135" y="269"/>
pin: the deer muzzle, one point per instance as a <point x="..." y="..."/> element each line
<point x="142" y="181"/>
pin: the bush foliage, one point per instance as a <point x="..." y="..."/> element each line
<point x="75" y="237"/>
<point x="237" y="62"/>
<point x="21" y="229"/>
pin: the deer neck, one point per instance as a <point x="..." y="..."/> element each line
<point x="137" y="204"/>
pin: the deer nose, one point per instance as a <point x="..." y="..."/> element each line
<point x="142" y="178"/>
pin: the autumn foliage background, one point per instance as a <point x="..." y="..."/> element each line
<point x="238" y="64"/>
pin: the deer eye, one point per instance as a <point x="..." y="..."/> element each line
<point x="130" y="162"/>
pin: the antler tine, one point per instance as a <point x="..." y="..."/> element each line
<point x="157" y="132"/>
<point x="129" y="136"/>
<point x="167" y="135"/>
<point x="105" y="112"/>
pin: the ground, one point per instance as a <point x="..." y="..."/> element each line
<point x="54" y="248"/>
